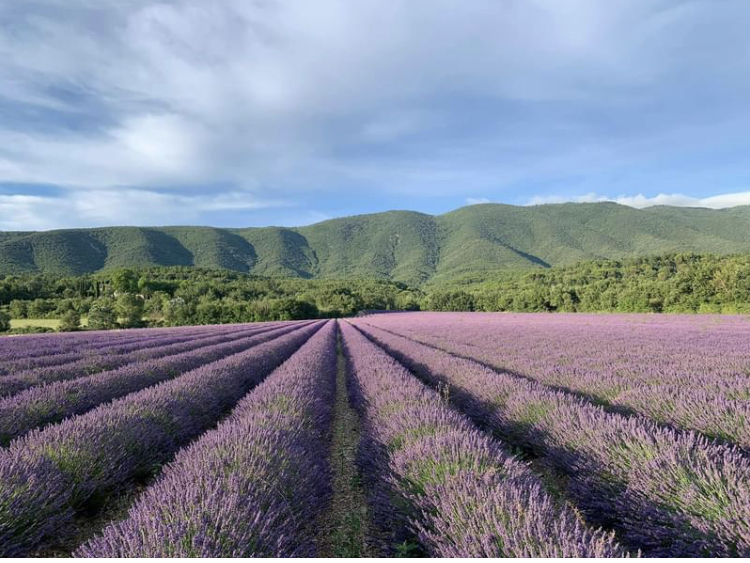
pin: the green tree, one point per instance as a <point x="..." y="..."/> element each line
<point x="70" y="321"/>
<point x="4" y="321"/>
<point x="129" y="308"/>
<point x="407" y="301"/>
<point x="340" y="302"/>
<point x="209" y="311"/>
<point x="125" y="281"/>
<point x="19" y="309"/>
<point x="289" y="309"/>
<point x="732" y="283"/>
<point x="63" y="306"/>
<point x="176" y="311"/>
<point x="451" y="301"/>
<point x="102" y="316"/>
<point x="153" y="307"/>
<point x="40" y="308"/>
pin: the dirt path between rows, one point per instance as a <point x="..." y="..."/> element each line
<point x="345" y="526"/>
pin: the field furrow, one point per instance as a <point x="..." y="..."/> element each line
<point x="54" y="402"/>
<point x="457" y="491"/>
<point x="48" y="474"/>
<point x="345" y="527"/>
<point x="253" y="486"/>
<point x="667" y="492"/>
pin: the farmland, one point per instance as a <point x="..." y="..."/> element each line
<point x="438" y="434"/>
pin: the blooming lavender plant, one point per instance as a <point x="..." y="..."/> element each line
<point x="693" y="494"/>
<point x="41" y="346"/>
<point x="51" y="403"/>
<point x="685" y="371"/>
<point x="104" y="449"/>
<point x="87" y="365"/>
<point x="252" y="487"/>
<point x="96" y="348"/>
<point x="463" y="495"/>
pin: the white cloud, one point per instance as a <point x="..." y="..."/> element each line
<point x="326" y="99"/>
<point x="640" y="201"/>
<point x="143" y="150"/>
<point x="477" y="200"/>
<point x="117" y="207"/>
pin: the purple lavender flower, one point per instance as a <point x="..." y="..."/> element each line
<point x="251" y="488"/>
<point x="104" y="449"/>
<point x="462" y="494"/>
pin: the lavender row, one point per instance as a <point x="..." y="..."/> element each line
<point x="100" y="348"/>
<point x="705" y="406"/>
<point x="698" y="351"/>
<point x="48" y="474"/>
<point x="54" y="402"/>
<point x="20" y="349"/>
<point x="13" y="384"/>
<point x="254" y="486"/>
<point x="110" y="353"/>
<point x="30" y="346"/>
<point x="33" y="344"/>
<point x="705" y="390"/>
<point x="465" y="496"/>
<point x="670" y="493"/>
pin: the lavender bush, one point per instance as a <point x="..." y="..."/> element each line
<point x="465" y="496"/>
<point x="51" y="403"/>
<point x="251" y="488"/>
<point x="94" y="349"/>
<point x="672" y="493"/>
<point x="686" y="371"/>
<point x="87" y="365"/>
<point x="104" y="449"/>
<point x="39" y="346"/>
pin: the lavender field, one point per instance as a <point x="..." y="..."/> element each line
<point x="421" y="434"/>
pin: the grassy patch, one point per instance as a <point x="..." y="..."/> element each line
<point x="344" y="527"/>
<point x="47" y="323"/>
<point x="23" y="323"/>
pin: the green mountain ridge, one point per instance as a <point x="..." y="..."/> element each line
<point x="403" y="246"/>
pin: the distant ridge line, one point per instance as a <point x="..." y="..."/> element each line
<point x="405" y="246"/>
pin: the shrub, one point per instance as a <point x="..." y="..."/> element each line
<point x="70" y="321"/>
<point x="4" y="322"/>
<point x="102" y="316"/>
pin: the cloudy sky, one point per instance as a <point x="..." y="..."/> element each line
<point x="256" y="112"/>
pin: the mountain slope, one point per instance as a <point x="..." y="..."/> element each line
<point x="398" y="245"/>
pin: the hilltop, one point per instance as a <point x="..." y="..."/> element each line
<point x="397" y="245"/>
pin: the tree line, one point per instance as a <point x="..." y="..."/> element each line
<point x="172" y="296"/>
<point x="672" y="283"/>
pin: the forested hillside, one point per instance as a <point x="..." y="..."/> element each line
<point x="398" y="245"/>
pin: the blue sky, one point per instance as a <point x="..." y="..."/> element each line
<point x="257" y="112"/>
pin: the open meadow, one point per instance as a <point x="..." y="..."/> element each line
<point x="443" y="434"/>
